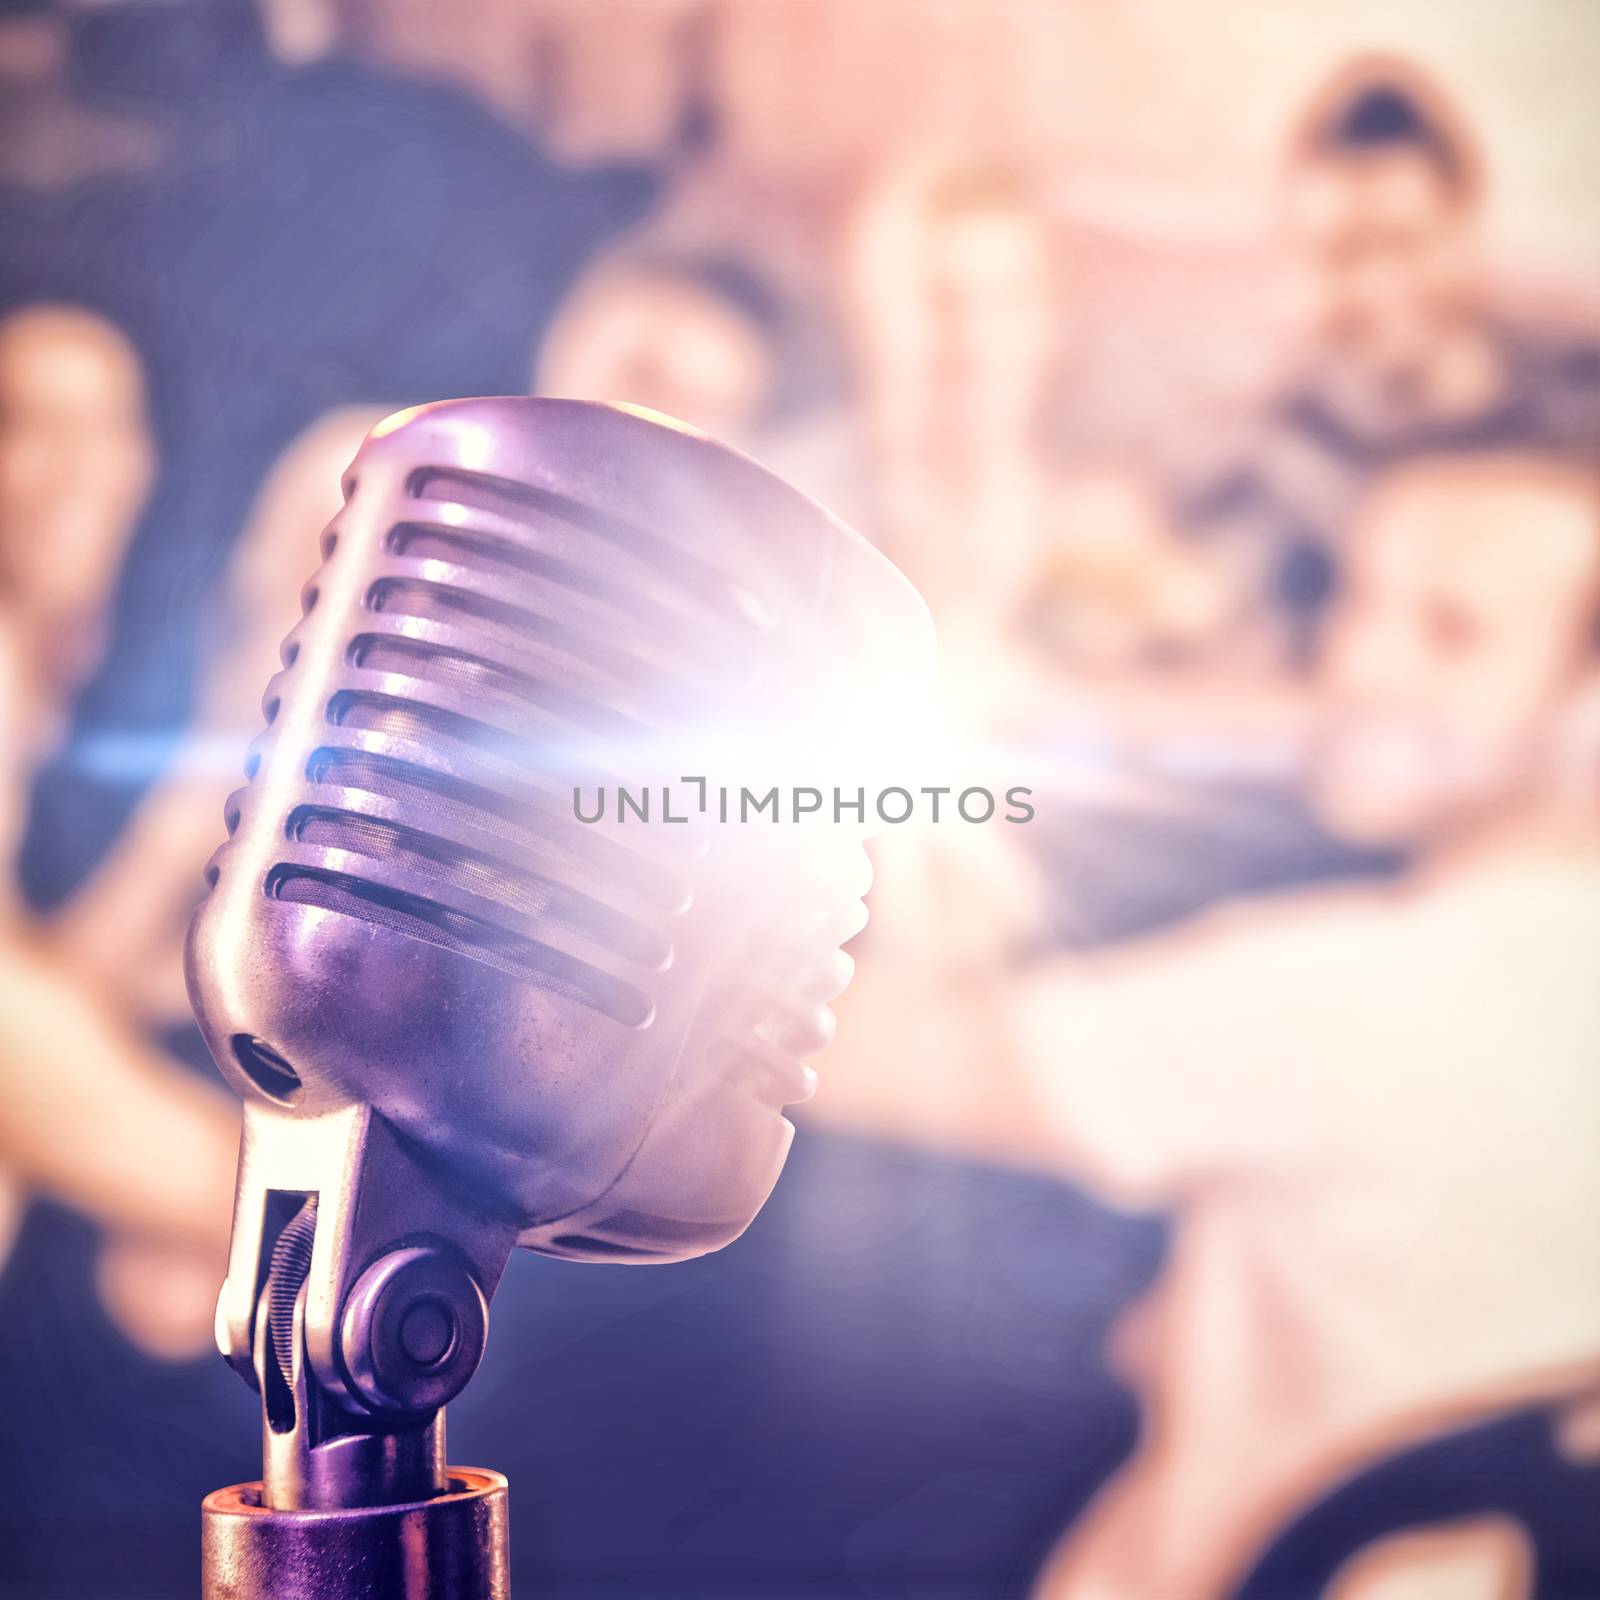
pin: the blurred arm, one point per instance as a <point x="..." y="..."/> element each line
<point x="103" y="1123"/>
<point x="1135" y="1071"/>
<point x="88" y="1113"/>
<point x="1201" y="1052"/>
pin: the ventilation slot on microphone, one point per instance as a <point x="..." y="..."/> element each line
<point x="632" y="605"/>
<point x="595" y="654"/>
<point x="516" y="501"/>
<point x="426" y="542"/>
<point x="533" y="826"/>
<point x="522" y="893"/>
<point x="495" y="947"/>
<point x="460" y="670"/>
<point x="426" y="725"/>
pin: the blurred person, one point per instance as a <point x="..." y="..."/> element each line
<point x="299" y="212"/>
<point x="1056" y="582"/>
<point x="89" y="1113"/>
<point x="1036" y="563"/>
<point x="74" y="472"/>
<point x="958" y="336"/>
<point x="953" y="295"/>
<point x="695" y="338"/>
<point x="1372" y="1112"/>
<point x="1405" y="350"/>
<point x="263" y="246"/>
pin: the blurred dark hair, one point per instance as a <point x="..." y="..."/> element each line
<point x="740" y="286"/>
<point x="1377" y="106"/>
<point x="735" y="282"/>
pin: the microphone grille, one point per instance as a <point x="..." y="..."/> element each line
<point x="471" y="648"/>
<point x="594" y="1023"/>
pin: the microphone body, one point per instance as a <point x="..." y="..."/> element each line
<point x="461" y="1017"/>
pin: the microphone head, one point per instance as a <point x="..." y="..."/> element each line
<point x="590" y="1028"/>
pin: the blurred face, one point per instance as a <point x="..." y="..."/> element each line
<point x="1468" y="609"/>
<point x="1383" y="243"/>
<point x="663" y="345"/>
<point x="75" y="463"/>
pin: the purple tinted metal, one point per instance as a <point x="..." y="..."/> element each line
<point x="414" y="960"/>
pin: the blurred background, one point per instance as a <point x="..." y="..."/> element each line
<point x="1199" y="1198"/>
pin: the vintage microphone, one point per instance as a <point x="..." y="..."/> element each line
<point x="463" y="1019"/>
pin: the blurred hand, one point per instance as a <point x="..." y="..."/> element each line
<point x="162" y="1296"/>
<point x="1478" y="1558"/>
<point x="914" y="1057"/>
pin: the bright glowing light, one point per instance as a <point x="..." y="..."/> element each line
<point x="395" y="419"/>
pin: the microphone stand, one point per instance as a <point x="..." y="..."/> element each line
<point x="355" y="1501"/>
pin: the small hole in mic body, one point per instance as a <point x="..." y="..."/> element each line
<point x="266" y="1069"/>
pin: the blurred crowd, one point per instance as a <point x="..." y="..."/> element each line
<point x="1302" y="950"/>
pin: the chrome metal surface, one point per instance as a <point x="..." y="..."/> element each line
<point x="461" y="1018"/>
<point x="451" y="1547"/>
<point x="410" y="942"/>
<point x="318" y="1454"/>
